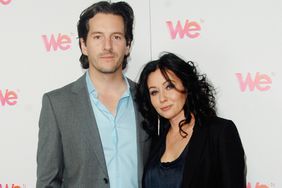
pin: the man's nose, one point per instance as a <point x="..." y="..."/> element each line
<point x="108" y="44"/>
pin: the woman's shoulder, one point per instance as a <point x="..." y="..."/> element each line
<point x="219" y="124"/>
<point x="219" y="121"/>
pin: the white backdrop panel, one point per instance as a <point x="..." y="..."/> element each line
<point x="238" y="44"/>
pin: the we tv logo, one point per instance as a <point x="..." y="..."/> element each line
<point x="5" y="2"/>
<point x="12" y="186"/>
<point x="190" y="29"/>
<point x="259" y="81"/>
<point x="259" y="185"/>
<point x="57" y="42"/>
<point x="8" y="97"/>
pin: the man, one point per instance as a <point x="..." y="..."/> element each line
<point x="89" y="131"/>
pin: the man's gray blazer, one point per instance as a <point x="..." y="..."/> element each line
<point x="70" y="152"/>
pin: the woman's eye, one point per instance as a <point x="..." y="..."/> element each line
<point x="153" y="93"/>
<point x="170" y="86"/>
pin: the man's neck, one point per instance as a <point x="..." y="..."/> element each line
<point x="110" y="88"/>
<point x="106" y="82"/>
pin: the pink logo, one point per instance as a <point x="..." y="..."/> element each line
<point x="191" y="29"/>
<point x="12" y="186"/>
<point x="261" y="82"/>
<point x="258" y="185"/>
<point x="9" y="98"/>
<point x="5" y="2"/>
<point x="61" y="42"/>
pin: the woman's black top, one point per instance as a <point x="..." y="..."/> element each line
<point x="164" y="175"/>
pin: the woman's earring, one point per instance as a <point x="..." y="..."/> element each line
<point x="158" y="125"/>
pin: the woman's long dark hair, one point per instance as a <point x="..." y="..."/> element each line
<point x="200" y="94"/>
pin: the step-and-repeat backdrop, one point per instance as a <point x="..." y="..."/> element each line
<point x="238" y="44"/>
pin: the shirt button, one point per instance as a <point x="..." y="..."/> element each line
<point x="106" y="180"/>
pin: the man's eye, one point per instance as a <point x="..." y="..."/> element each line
<point x="97" y="37"/>
<point x="117" y="37"/>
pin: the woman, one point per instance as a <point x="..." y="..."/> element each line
<point x="191" y="146"/>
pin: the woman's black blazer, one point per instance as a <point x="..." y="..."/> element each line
<point x="215" y="158"/>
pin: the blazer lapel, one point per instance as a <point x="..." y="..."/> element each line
<point x="195" y="153"/>
<point x="87" y="119"/>
<point x="86" y="116"/>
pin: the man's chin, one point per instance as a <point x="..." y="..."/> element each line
<point x="109" y="71"/>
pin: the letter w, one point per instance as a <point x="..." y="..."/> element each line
<point x="178" y="29"/>
<point x="248" y="82"/>
<point x="52" y="42"/>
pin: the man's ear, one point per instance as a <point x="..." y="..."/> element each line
<point x="127" y="51"/>
<point x="83" y="47"/>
